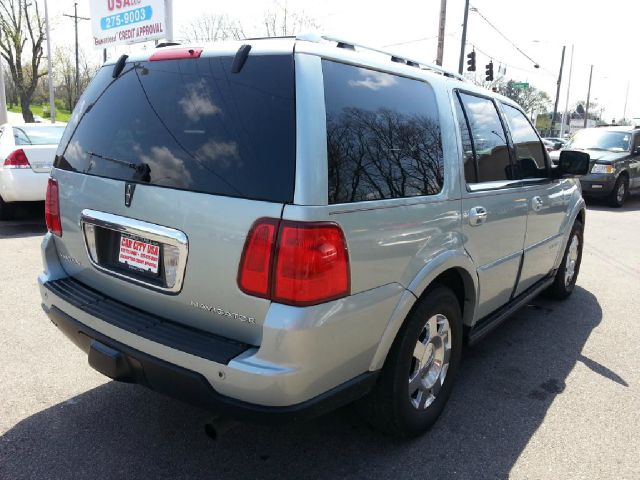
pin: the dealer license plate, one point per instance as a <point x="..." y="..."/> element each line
<point x="139" y="253"/>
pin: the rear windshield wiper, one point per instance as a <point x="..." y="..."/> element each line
<point x="115" y="160"/>
<point x="143" y="170"/>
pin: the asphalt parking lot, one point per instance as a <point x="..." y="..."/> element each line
<point x="555" y="393"/>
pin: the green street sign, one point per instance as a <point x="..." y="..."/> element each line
<point x="521" y="85"/>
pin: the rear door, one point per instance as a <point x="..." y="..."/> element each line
<point x="494" y="209"/>
<point x="162" y="173"/>
<point x="545" y="200"/>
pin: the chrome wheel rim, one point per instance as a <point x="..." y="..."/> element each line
<point x="621" y="192"/>
<point x="430" y="361"/>
<point x="571" y="261"/>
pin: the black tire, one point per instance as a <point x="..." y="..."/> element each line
<point x="6" y="210"/>
<point x="389" y="406"/>
<point x="615" y="199"/>
<point x="561" y="288"/>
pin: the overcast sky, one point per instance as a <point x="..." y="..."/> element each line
<point x="604" y="33"/>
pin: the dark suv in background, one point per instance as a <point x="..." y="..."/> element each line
<point x="615" y="161"/>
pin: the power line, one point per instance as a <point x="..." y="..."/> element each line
<point x="536" y="64"/>
<point x="503" y="62"/>
<point x="416" y="40"/>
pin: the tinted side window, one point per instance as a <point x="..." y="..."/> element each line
<point x="530" y="155"/>
<point x="383" y="135"/>
<point x="489" y="139"/>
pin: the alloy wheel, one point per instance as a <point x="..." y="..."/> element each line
<point x="430" y="361"/>
<point x="571" y="261"/>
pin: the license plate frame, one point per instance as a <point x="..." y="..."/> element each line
<point x="140" y="255"/>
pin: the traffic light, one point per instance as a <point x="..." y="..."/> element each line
<point x="489" y="72"/>
<point x="471" y="61"/>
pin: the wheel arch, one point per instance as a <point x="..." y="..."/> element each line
<point x="578" y="212"/>
<point x="454" y="270"/>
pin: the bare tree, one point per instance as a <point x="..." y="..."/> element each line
<point x="22" y="31"/>
<point x="280" y="20"/>
<point x="277" y="20"/>
<point x="211" y="28"/>
<point x="382" y="154"/>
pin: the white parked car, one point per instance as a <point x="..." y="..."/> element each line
<point x="26" y="155"/>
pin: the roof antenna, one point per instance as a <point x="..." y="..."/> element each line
<point x="240" y="58"/>
<point x="119" y="66"/>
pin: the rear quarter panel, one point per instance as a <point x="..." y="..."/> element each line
<point x="389" y="241"/>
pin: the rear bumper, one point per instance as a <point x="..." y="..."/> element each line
<point x="306" y="355"/>
<point x="126" y="364"/>
<point x="22" y="185"/>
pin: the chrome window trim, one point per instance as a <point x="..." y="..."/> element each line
<point x="152" y="231"/>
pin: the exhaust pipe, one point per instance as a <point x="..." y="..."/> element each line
<point x="218" y="426"/>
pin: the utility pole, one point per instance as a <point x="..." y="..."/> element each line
<point x="626" y="99"/>
<point x="566" y="103"/>
<point x="555" y="105"/>
<point x="463" y="40"/>
<point x="441" y="25"/>
<point x="52" y="103"/>
<point x="75" y="21"/>
<point x="168" y="12"/>
<point x="586" y="110"/>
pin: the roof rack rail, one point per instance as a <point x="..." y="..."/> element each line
<point x="167" y="44"/>
<point x="394" y="57"/>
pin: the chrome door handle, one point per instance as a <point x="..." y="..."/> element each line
<point x="537" y="203"/>
<point x="477" y="216"/>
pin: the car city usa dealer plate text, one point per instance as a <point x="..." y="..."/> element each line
<point x="139" y="254"/>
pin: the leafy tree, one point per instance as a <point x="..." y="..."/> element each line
<point x="530" y="99"/>
<point x="22" y="31"/>
<point x="64" y="70"/>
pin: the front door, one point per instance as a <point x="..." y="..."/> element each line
<point x="546" y="200"/>
<point x="494" y="208"/>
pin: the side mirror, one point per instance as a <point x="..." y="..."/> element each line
<point x="572" y="163"/>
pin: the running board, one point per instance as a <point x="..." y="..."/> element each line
<point x="493" y="320"/>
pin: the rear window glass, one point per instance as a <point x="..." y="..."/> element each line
<point x="34" y="135"/>
<point x="383" y="135"/>
<point x="190" y="124"/>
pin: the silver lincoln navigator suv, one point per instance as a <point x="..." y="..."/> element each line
<point x="274" y="228"/>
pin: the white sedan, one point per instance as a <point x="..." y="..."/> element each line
<point x="26" y="157"/>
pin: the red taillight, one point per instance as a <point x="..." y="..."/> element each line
<point x="52" y="208"/>
<point x="255" y="266"/>
<point x="17" y="159"/>
<point x="312" y="265"/>
<point x="296" y="263"/>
